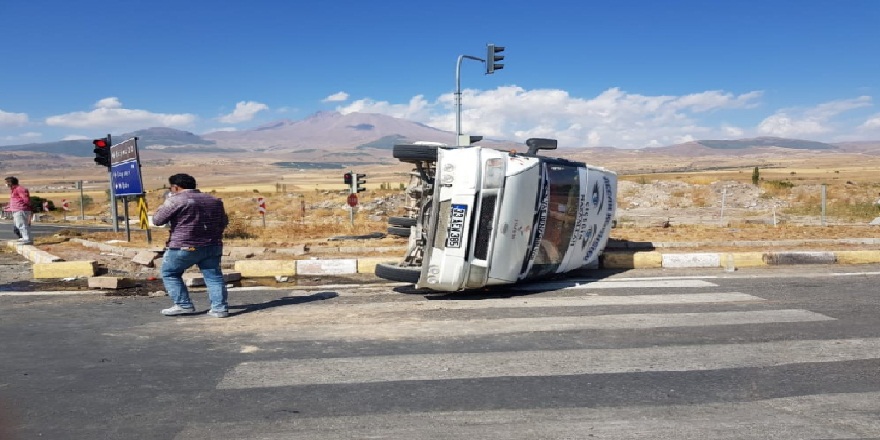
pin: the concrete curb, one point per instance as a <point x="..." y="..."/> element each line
<point x="732" y="260"/>
<point x="615" y="257"/>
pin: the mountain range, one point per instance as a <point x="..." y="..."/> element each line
<point x="367" y="138"/>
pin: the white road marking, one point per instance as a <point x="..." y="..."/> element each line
<point x="396" y="327"/>
<point x="543" y="363"/>
<point x="653" y="283"/>
<point x="421" y="304"/>
<point x="851" y="415"/>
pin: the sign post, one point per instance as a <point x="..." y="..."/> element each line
<point x="261" y="206"/>
<point x="65" y="206"/>
<point x="353" y="202"/>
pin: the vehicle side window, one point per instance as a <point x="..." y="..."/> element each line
<point x="561" y="218"/>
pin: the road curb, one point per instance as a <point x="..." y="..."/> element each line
<point x="628" y="255"/>
<point x="730" y="260"/>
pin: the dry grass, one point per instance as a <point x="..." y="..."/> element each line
<point x="852" y="184"/>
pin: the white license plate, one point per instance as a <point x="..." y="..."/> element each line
<point x="456" y="226"/>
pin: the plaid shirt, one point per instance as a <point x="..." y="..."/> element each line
<point x="19" y="199"/>
<point x="197" y="219"/>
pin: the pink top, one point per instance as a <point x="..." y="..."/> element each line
<point x="19" y="199"/>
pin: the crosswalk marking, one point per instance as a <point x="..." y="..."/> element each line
<point x="611" y="284"/>
<point x="447" y="366"/>
<point x="853" y="415"/>
<point x="526" y="302"/>
<point x="354" y="328"/>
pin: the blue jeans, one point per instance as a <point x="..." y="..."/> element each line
<point x="207" y="258"/>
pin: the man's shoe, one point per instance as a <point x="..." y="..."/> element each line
<point x="177" y="310"/>
<point x="218" y="314"/>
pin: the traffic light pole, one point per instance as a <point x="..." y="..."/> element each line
<point x="458" y="96"/>
<point x="352" y="189"/>
<point x="114" y="217"/>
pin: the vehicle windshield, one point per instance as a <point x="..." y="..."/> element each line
<point x="564" y="195"/>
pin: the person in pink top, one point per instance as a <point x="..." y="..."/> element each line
<point x="20" y="207"/>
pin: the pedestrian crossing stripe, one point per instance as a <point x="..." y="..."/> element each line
<point x="837" y="415"/>
<point x="544" y="363"/>
<point x="354" y="328"/>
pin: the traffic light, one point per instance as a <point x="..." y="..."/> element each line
<point x="102" y="151"/>
<point x="492" y="56"/>
<point x="347" y="178"/>
<point x="360" y="182"/>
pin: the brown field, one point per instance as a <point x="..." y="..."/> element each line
<point x="660" y="198"/>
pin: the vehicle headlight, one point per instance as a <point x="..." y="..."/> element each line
<point x="493" y="173"/>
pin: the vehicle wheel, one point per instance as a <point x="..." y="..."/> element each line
<point x="394" y="272"/>
<point x="402" y="221"/>
<point x="415" y="153"/>
<point x="399" y="231"/>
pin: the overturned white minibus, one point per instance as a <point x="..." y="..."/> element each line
<point x="486" y="217"/>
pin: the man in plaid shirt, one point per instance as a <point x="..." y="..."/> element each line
<point x="197" y="222"/>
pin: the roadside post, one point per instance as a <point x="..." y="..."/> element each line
<point x="65" y="206"/>
<point x="261" y="207"/>
<point x="82" y="200"/>
<point x="144" y="219"/>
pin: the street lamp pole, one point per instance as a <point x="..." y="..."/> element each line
<point x="458" y="96"/>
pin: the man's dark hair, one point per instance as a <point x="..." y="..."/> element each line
<point x="12" y="179"/>
<point x="184" y="181"/>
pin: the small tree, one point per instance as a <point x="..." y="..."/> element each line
<point x="756" y="175"/>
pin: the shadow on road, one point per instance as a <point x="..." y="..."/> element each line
<point x="285" y="301"/>
<point x="548" y="284"/>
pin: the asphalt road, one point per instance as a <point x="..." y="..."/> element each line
<point x="46" y="229"/>
<point x="749" y="355"/>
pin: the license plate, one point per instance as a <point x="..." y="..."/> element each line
<point x="456" y="226"/>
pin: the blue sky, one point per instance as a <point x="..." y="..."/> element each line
<point x="628" y="74"/>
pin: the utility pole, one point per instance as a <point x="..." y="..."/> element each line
<point x="492" y="52"/>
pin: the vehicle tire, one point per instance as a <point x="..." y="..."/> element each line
<point x="405" y="222"/>
<point x="399" y="231"/>
<point x="415" y="153"/>
<point x="394" y="272"/>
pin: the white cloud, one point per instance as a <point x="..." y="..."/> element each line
<point x="109" y="116"/>
<point x="12" y="119"/>
<point x="336" y="97"/>
<point x="211" y="130"/>
<point x="111" y="102"/>
<point x="616" y="117"/>
<point x="873" y="123"/>
<point x="244" y="111"/>
<point x="811" y="121"/>
<point x="75" y="137"/>
<point x="732" y="132"/>
<point x="27" y="137"/>
<point x="782" y="125"/>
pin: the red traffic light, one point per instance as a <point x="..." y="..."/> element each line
<point x="100" y="143"/>
<point x="346" y="178"/>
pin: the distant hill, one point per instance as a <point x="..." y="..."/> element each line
<point x="331" y="131"/>
<point x="326" y="137"/>
<point x="766" y="141"/>
<point x="156" y="137"/>
<point x="740" y="147"/>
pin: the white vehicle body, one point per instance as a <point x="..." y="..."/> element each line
<point x="497" y="217"/>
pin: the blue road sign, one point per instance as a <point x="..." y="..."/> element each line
<point x="126" y="179"/>
<point x="125" y="169"/>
